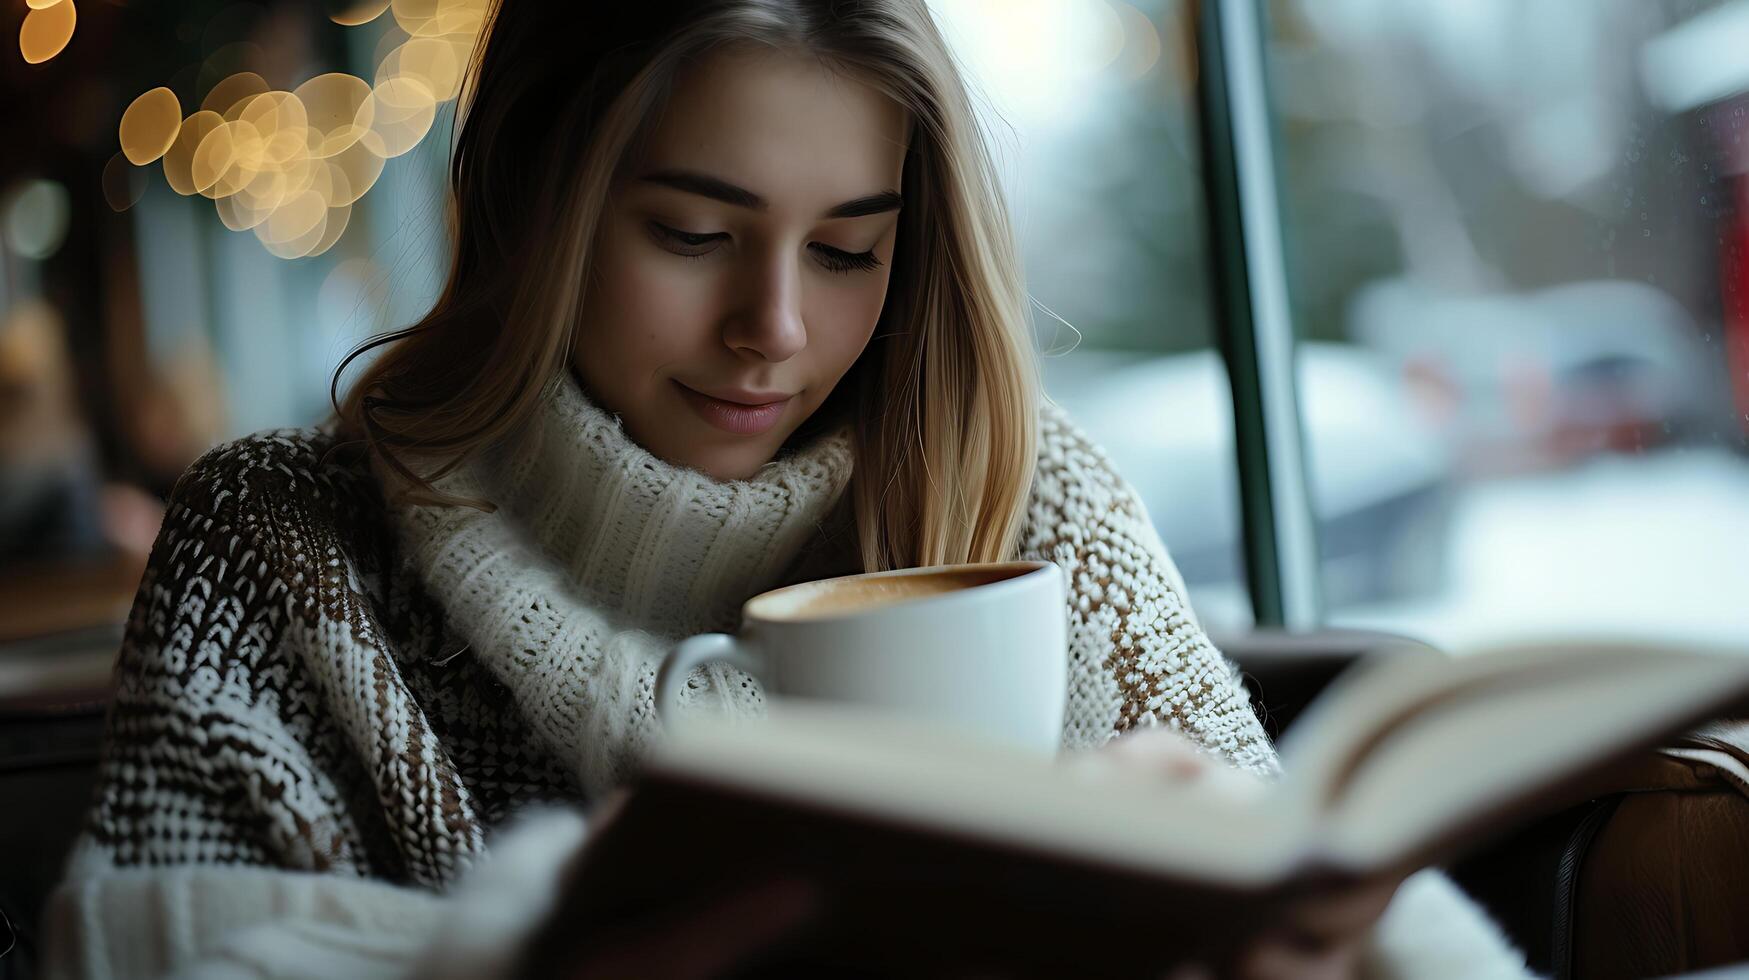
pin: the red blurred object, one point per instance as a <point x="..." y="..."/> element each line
<point x="1734" y="284"/>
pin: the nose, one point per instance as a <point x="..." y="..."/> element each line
<point x="768" y="324"/>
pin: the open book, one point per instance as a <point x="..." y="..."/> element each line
<point x="931" y="839"/>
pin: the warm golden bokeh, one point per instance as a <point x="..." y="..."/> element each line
<point x="149" y="126"/>
<point x="217" y="156"/>
<point x="352" y="172"/>
<point x="360" y="14"/>
<point x="339" y="108"/>
<point x="232" y="91"/>
<point x="46" y="31"/>
<point x="405" y="109"/>
<point x="338" y="217"/>
<point x="435" y="62"/>
<point x="179" y="159"/>
<point x="289" y="166"/>
<point x="436" y="18"/>
<point x="123" y="183"/>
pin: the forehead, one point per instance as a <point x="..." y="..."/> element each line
<point x="782" y="126"/>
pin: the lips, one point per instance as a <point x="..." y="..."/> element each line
<point x="736" y="413"/>
<point x="747" y="398"/>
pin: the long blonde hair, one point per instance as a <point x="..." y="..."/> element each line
<point x="944" y="400"/>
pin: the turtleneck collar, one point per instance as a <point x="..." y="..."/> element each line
<point x="667" y="547"/>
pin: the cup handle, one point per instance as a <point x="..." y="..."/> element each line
<point x="691" y="652"/>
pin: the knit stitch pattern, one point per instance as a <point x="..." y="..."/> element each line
<point x="602" y="557"/>
<point x="301" y="686"/>
<point x="1137" y="654"/>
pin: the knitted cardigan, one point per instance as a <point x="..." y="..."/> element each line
<point x="326" y="702"/>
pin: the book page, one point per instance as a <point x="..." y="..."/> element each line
<point x="922" y="775"/>
<point x="1506" y="734"/>
<point x="1370" y="698"/>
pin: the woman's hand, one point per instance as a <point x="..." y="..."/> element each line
<point x="1319" y="936"/>
<point x="1171" y="756"/>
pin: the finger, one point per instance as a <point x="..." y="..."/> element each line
<point x="1171" y="755"/>
<point x="1161" y="751"/>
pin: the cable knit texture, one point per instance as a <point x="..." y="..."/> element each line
<point x="325" y="703"/>
<point x="598" y="560"/>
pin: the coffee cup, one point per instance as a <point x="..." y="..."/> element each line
<point x="979" y="647"/>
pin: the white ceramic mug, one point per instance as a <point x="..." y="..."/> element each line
<point x="980" y="647"/>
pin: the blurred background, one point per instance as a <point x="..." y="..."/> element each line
<point x="1518" y="253"/>
<point x="1515" y="238"/>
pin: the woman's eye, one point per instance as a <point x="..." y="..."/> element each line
<point x="834" y="259"/>
<point x="839" y="261"/>
<point x="664" y="233"/>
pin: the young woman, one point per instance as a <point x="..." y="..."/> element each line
<point x="734" y="303"/>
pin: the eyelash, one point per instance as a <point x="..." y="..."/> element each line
<point x="835" y="259"/>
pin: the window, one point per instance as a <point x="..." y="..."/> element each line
<point x="1515" y="250"/>
<point x="1509" y="240"/>
<point x="1091" y="108"/>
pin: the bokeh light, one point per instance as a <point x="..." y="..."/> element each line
<point x="179" y="159"/>
<point x="35" y="213"/>
<point x="227" y="60"/>
<point x="149" y="126"/>
<point x="404" y="111"/>
<point x="288" y="166"/>
<point x="123" y="183"/>
<point x="233" y="90"/>
<point x="359" y="14"/>
<point x="46" y="31"/>
<point x="339" y="108"/>
<point x="1141" y="42"/>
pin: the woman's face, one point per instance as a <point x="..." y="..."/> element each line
<point x="741" y="265"/>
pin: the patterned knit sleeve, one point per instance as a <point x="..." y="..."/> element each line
<point x="217" y="795"/>
<point x="1138" y="656"/>
<point x="212" y="754"/>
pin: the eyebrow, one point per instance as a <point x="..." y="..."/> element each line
<point x="717" y="189"/>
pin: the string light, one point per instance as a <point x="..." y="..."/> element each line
<point x="289" y="166"/>
<point x="46" y="29"/>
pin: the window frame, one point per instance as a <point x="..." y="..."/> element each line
<point x="1254" y="327"/>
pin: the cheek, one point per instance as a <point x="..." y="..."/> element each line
<point x="647" y="310"/>
<point x="854" y="314"/>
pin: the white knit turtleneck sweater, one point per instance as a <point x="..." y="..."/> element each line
<point x="599" y="559"/>
<point x="304" y="761"/>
